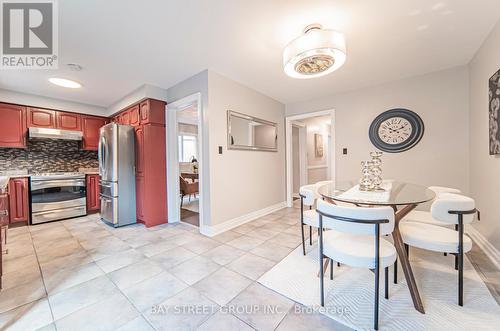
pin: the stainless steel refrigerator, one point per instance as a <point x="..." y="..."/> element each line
<point x="117" y="170"/>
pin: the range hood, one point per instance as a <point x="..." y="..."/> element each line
<point x="55" y="134"/>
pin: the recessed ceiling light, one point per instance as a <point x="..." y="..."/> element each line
<point x="64" y="82"/>
<point x="316" y="53"/>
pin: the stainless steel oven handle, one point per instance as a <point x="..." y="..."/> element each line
<point x="57" y="183"/>
<point x="58" y="211"/>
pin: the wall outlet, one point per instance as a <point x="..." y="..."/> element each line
<point x="344" y="151"/>
<point x="220" y="149"/>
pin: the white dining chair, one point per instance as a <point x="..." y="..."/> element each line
<point x="450" y="209"/>
<point x="323" y="182"/>
<point x="308" y="195"/>
<point x="425" y="216"/>
<point x="355" y="239"/>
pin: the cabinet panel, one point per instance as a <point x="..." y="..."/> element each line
<point x="139" y="151"/>
<point x="12" y="125"/>
<point x="91" y="126"/>
<point x="125" y="118"/>
<point x="68" y="121"/>
<point x="134" y="116"/>
<point x="139" y="197"/>
<point x="144" y="111"/>
<point x="152" y="111"/>
<point x="42" y="118"/>
<point x="18" y="200"/>
<point x="93" y="201"/>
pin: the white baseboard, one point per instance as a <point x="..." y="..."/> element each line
<point x="491" y="251"/>
<point x="211" y="231"/>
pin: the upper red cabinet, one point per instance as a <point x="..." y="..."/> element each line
<point x="12" y="126"/>
<point x="41" y="118"/>
<point x="91" y="126"/>
<point x="152" y="111"/>
<point x="125" y="118"/>
<point x="134" y="116"/>
<point x="68" y="121"/>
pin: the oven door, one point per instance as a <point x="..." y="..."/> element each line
<point x="47" y="195"/>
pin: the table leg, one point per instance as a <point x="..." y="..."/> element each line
<point x="403" y="258"/>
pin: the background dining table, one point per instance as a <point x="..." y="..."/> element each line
<point x="402" y="197"/>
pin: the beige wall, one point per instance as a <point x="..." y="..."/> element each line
<point x="317" y="166"/>
<point x="242" y="182"/>
<point x="484" y="169"/>
<point x="440" y="98"/>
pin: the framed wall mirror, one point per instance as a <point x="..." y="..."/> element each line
<point x="251" y="133"/>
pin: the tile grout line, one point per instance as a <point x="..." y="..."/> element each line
<point x="43" y="281"/>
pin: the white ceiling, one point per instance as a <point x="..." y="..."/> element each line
<point x="123" y="44"/>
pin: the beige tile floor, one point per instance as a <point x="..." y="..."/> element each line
<point x="81" y="274"/>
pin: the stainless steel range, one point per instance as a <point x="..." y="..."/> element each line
<point x="56" y="196"/>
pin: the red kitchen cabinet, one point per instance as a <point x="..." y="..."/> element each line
<point x="134" y="116"/>
<point x="148" y="118"/>
<point x="125" y="118"/>
<point x="91" y="126"/>
<point x="12" y="126"/>
<point x="152" y="111"/>
<point x="139" y="192"/>
<point x="92" y="186"/>
<point x="41" y="118"/>
<point x="68" y="121"/>
<point x="139" y="151"/>
<point x="154" y="192"/>
<point x="18" y="200"/>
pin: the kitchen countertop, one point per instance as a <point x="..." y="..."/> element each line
<point x="8" y="174"/>
<point x="89" y="171"/>
<point x="5" y="176"/>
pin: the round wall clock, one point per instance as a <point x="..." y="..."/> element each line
<point x="396" y="130"/>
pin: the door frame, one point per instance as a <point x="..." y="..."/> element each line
<point x="173" y="186"/>
<point x="302" y="153"/>
<point x="288" y="142"/>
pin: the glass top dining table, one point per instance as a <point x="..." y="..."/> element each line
<point x="396" y="193"/>
<point x="402" y="197"/>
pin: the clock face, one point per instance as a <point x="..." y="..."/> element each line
<point x="396" y="130"/>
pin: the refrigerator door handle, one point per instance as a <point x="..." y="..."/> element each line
<point x="102" y="155"/>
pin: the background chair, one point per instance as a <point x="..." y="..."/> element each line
<point x="187" y="188"/>
<point x="448" y="208"/>
<point x="355" y="240"/>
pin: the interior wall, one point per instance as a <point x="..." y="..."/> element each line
<point x="484" y="169"/>
<point x="317" y="166"/>
<point x="242" y="181"/>
<point x="440" y="98"/>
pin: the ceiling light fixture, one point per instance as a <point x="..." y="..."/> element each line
<point x="64" y="82"/>
<point x="316" y="53"/>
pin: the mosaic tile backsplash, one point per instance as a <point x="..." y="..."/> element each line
<point x="48" y="155"/>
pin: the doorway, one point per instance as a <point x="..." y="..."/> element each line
<point x="310" y="150"/>
<point x="184" y="154"/>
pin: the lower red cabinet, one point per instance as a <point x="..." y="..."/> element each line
<point x="93" y="201"/>
<point x="18" y="200"/>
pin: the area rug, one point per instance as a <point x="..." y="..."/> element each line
<point x="193" y="205"/>
<point x="349" y="297"/>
